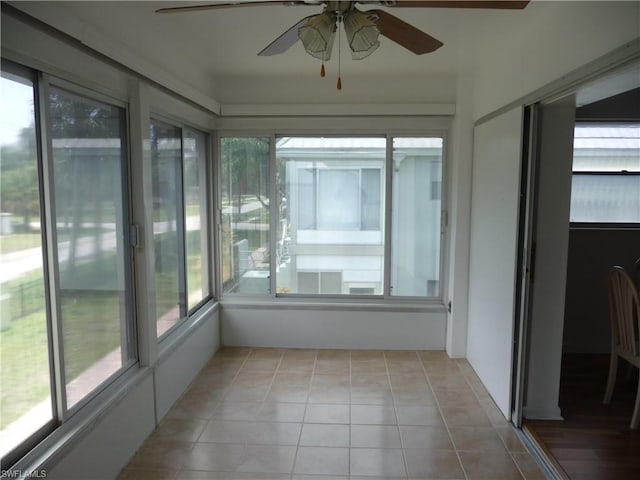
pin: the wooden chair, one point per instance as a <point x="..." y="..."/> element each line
<point x="624" y="312"/>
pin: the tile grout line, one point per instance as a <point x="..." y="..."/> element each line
<point x="245" y="443"/>
<point x="393" y="402"/>
<point x="493" y="426"/>
<point x="304" y="413"/>
<point x="197" y="441"/>
<point x="446" y="424"/>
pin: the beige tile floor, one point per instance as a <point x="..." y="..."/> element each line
<point x="276" y="414"/>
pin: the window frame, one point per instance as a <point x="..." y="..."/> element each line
<point x="207" y="253"/>
<point x="602" y="173"/>
<point x="26" y="445"/>
<point x="47" y="82"/>
<point x="219" y="219"/>
<point x="185" y="312"/>
<point x="443" y="201"/>
<point x="63" y="416"/>
<point x="317" y="171"/>
<point x="440" y="132"/>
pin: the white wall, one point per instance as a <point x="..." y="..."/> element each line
<point x="592" y="252"/>
<point x="565" y="36"/>
<point x="101" y="452"/>
<point x="356" y="89"/>
<point x="333" y="326"/>
<point x="178" y="367"/>
<point x="458" y="176"/>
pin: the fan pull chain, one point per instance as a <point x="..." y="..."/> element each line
<point x="322" y="72"/>
<point x="339" y="84"/>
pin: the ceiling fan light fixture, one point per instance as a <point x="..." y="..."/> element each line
<point x="359" y="55"/>
<point x="362" y="34"/>
<point x="317" y="35"/>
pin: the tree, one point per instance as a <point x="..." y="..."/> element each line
<point x="19" y="193"/>
<point x="84" y="167"/>
<point x="245" y="162"/>
<point x="245" y="175"/>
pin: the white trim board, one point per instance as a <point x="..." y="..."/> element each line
<point x="314" y="109"/>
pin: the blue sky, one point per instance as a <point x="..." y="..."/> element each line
<point x="16" y="109"/>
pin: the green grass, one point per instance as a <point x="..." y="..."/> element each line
<point x="19" y="241"/>
<point x="90" y="306"/>
<point x="91" y="329"/>
<point x="24" y="371"/>
<point x="91" y="309"/>
<point x="26" y="295"/>
<point x="22" y="241"/>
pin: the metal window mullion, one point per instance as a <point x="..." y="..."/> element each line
<point x="360" y="202"/>
<point x="181" y="229"/>
<point x="129" y="337"/>
<point x="40" y="160"/>
<point x="52" y="270"/>
<point x="274" y="216"/>
<point x="388" y="172"/>
<point x="206" y="186"/>
<point x="444" y="218"/>
<point x="215" y="196"/>
<point x="141" y="194"/>
<point x="316" y="198"/>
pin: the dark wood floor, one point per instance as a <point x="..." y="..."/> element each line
<point x="594" y="441"/>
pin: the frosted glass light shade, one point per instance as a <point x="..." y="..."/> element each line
<point x="317" y="35"/>
<point x="362" y="34"/>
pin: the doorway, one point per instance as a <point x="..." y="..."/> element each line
<point x="568" y="357"/>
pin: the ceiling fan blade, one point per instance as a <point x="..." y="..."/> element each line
<point x="515" y="5"/>
<point x="403" y="33"/>
<point x="220" y="5"/>
<point x="284" y="41"/>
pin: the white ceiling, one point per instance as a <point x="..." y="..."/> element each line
<point x="217" y="49"/>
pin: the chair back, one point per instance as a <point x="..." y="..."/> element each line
<point x="624" y="308"/>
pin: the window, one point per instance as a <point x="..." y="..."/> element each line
<point x="332" y="223"/>
<point x="66" y="295"/>
<point x="331" y="214"/>
<point x="339" y="199"/>
<point x="245" y="215"/>
<point x="415" y="216"/>
<point x="88" y="158"/>
<point x="25" y="370"/>
<point x="166" y="157"/>
<point x="329" y="283"/>
<point x="605" y="187"/>
<point x="195" y="201"/>
<point x="178" y="159"/>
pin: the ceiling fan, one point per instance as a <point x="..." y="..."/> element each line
<point x="362" y="28"/>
